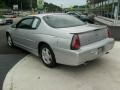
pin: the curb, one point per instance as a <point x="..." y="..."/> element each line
<point x="8" y="82"/>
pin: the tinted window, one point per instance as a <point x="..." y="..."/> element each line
<point x="62" y="21"/>
<point x="25" y="24"/>
<point x="75" y="15"/>
<point x="36" y="23"/>
<point x="71" y="13"/>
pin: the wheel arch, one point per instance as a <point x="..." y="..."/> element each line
<point x="7" y="33"/>
<point x="53" y="63"/>
<point x="40" y="44"/>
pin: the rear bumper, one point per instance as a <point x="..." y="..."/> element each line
<point x="86" y="53"/>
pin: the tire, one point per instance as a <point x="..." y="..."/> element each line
<point x="9" y="41"/>
<point x="47" y="56"/>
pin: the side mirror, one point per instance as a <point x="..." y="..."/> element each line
<point x="14" y="26"/>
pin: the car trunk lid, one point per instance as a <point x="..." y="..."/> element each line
<point x="88" y="33"/>
<point x="92" y="36"/>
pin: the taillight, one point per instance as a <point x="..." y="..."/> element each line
<point x="75" y="45"/>
<point x="109" y="34"/>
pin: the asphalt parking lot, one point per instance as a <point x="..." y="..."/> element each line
<point x="8" y="56"/>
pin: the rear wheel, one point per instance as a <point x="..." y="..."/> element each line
<point x="9" y="41"/>
<point x="47" y="56"/>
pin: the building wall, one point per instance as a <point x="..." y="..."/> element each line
<point x="104" y="7"/>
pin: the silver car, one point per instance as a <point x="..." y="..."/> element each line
<point x="2" y="21"/>
<point x="60" y="38"/>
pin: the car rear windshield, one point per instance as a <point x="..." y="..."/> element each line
<point x="62" y="21"/>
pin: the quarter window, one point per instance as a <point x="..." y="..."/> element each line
<point x="36" y="23"/>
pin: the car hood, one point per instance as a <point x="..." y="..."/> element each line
<point x="1" y="19"/>
<point x="83" y="28"/>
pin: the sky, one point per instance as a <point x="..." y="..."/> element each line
<point x="66" y="3"/>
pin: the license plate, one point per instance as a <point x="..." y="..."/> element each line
<point x="98" y="51"/>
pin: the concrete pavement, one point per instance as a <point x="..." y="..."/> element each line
<point x="31" y="74"/>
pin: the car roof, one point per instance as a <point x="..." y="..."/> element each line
<point x="46" y="14"/>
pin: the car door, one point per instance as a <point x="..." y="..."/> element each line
<point x="30" y="37"/>
<point x="25" y="33"/>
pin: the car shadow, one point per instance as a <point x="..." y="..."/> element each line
<point x="88" y="66"/>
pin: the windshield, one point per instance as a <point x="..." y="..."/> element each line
<point x="62" y="21"/>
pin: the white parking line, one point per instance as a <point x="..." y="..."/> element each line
<point x="31" y="74"/>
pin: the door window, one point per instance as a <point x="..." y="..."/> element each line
<point x="25" y="24"/>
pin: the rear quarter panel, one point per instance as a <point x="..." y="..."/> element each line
<point x="53" y="37"/>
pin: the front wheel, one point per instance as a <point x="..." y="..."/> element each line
<point x="47" y="56"/>
<point x="9" y="41"/>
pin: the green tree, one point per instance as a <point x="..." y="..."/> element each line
<point x="2" y="4"/>
<point x="49" y="7"/>
<point x="26" y="4"/>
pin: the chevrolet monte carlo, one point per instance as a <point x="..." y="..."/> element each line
<point x="60" y="38"/>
